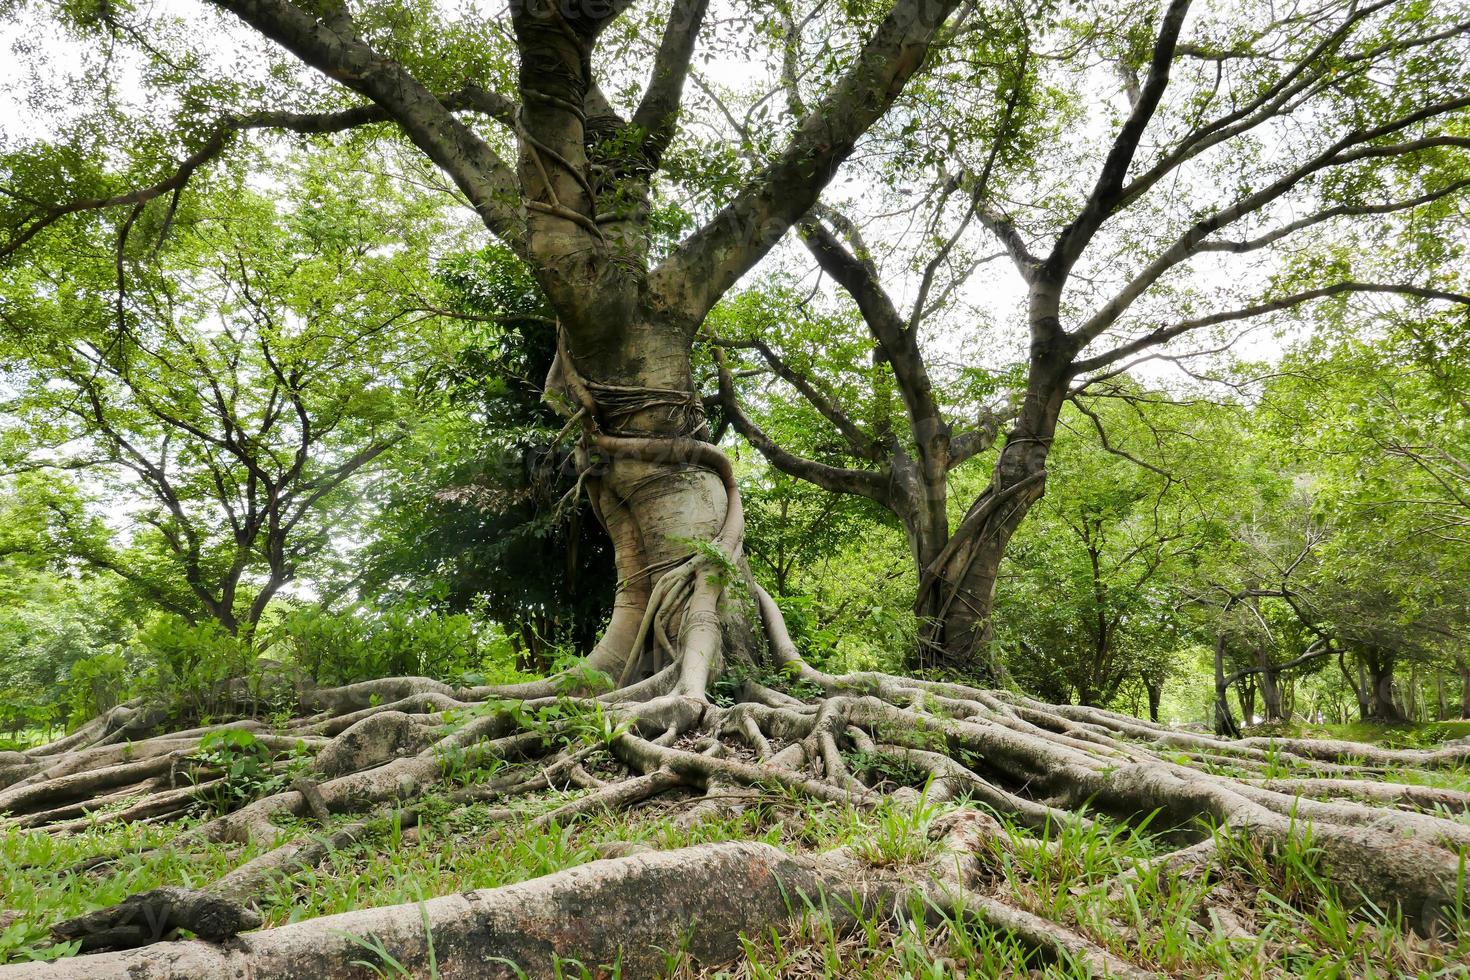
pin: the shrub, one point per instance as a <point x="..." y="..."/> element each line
<point x="191" y="664"/>
<point x="236" y="768"/>
<point x="362" y="643"/>
<point x="94" y="685"/>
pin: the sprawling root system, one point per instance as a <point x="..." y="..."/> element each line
<point x="705" y="705"/>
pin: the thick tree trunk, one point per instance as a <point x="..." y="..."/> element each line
<point x="658" y="504"/>
<point x="958" y="630"/>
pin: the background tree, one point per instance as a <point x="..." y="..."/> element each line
<point x="482" y="509"/>
<point x="1115" y="263"/>
<point x="227" y="393"/>
<point x="1095" y="586"/>
<point x="1375" y="417"/>
<point x="53" y="614"/>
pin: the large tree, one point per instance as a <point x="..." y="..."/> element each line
<point x="227" y="396"/>
<point x="1224" y="157"/>
<point x="581" y="205"/>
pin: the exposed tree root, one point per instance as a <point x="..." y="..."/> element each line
<point x="150" y="916"/>
<point x="385" y="749"/>
<point x="1036" y="763"/>
<point x="634" y="910"/>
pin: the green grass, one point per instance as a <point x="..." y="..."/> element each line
<point x="1255" y="915"/>
<point x="1406" y="735"/>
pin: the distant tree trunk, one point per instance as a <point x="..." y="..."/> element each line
<point x="1462" y="664"/>
<point x="1379" y="665"/>
<point x="1288" y="690"/>
<point x="1245" y="691"/>
<point x="957" y="590"/>
<point x="1359" y="684"/>
<point x="1413" y="703"/>
<point x="1270" y="688"/>
<point x="1224" y="721"/>
<point x="1155" y="688"/>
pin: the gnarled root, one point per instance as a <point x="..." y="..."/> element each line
<point x="1042" y="766"/>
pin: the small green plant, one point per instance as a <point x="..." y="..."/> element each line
<point x="95" y="685"/>
<point x="899" y="833"/>
<point x="388" y="965"/>
<point x="885" y="767"/>
<point x="787" y="679"/>
<point x="467" y="766"/>
<point x="23" y="941"/>
<point x="233" y="767"/>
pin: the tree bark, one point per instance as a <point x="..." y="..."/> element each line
<point x="957" y="590"/>
<point x="1462" y="664"/>
<point x="1155" y="689"/>
<point x="1246" y="692"/>
<point x="1379" y="665"/>
<point x="1270" y="687"/>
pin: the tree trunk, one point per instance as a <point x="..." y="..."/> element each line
<point x="1270" y="688"/>
<point x="957" y="589"/>
<point x="1462" y="664"/>
<point x="1410" y="691"/>
<point x="1224" y="721"/>
<point x="1245" y="690"/>
<point x="658" y="504"/>
<point x="1379" y="665"/>
<point x="1361" y="690"/>
<point x="1155" y="689"/>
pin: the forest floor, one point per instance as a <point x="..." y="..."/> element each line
<point x="1241" y="916"/>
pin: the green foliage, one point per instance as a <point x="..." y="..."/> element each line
<point x="234" y="767"/>
<point x="726" y="689"/>
<point x="362" y="643"/>
<point x="1101" y="579"/>
<point x="482" y="512"/>
<point x="95" y="685"/>
<point x="191" y="666"/>
<point x="24" y="942"/>
<point x="260" y="361"/>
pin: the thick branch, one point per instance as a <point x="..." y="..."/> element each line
<point x="887" y="325"/>
<point x="1108" y="190"/>
<point x="859" y="441"/>
<point x="709" y="261"/>
<point x="486" y="180"/>
<point x="470" y="98"/>
<point x="659" y="109"/>
<point x="863" y="483"/>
